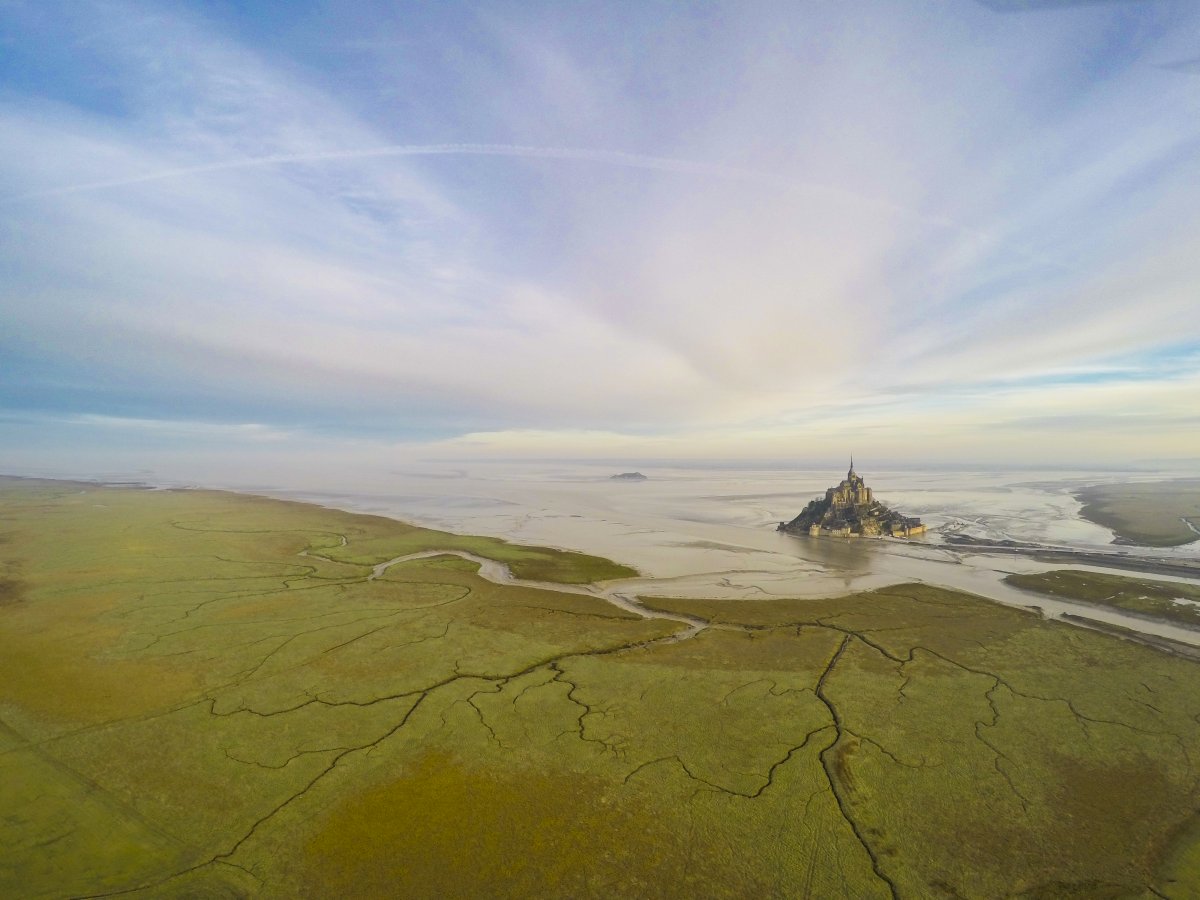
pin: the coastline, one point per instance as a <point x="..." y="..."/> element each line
<point x="743" y="583"/>
<point x="1122" y="509"/>
<point x="1147" y="565"/>
<point x="960" y="563"/>
<point x="270" y="697"/>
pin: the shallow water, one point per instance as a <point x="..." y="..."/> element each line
<point x="615" y="593"/>
<point x="710" y="532"/>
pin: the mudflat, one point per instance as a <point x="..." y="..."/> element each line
<point x="1154" y="514"/>
<point x="209" y="694"/>
<point x="1170" y="601"/>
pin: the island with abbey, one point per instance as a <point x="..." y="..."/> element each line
<point x="851" y="510"/>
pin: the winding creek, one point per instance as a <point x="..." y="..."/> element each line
<point x="709" y="533"/>
<point x="499" y="573"/>
<point x="624" y="594"/>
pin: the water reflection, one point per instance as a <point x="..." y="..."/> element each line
<point x="711" y="533"/>
<point x="846" y="558"/>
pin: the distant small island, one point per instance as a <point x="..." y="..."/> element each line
<point x="628" y="476"/>
<point x="851" y="510"/>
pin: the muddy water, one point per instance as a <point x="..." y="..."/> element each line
<point x="615" y="593"/>
<point x="696" y="532"/>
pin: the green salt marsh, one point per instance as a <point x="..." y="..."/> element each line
<point x="206" y="694"/>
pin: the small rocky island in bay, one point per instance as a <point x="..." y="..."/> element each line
<point x="628" y="476"/>
<point x="851" y="510"/>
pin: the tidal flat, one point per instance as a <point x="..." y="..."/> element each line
<point x="1173" y="601"/>
<point x="1158" y="514"/>
<point x="211" y="694"/>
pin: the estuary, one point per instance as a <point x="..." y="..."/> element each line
<point x="708" y="531"/>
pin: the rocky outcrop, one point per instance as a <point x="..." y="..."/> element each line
<point x="851" y="510"/>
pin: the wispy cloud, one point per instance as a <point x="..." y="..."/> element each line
<point x="573" y="154"/>
<point x="1187" y="66"/>
<point x="1040" y="5"/>
<point x="512" y="226"/>
<point x="241" y="431"/>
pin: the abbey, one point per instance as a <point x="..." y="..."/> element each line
<point x="851" y="510"/>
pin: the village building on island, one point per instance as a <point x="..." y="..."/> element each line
<point x="851" y="510"/>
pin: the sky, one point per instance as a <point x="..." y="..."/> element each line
<point x="940" y="230"/>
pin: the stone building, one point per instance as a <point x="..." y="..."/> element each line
<point x="852" y="492"/>
<point x="850" y="510"/>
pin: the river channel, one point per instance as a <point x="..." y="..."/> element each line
<point x="693" y="531"/>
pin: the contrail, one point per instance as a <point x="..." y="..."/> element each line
<point x="521" y="151"/>
<point x="604" y="157"/>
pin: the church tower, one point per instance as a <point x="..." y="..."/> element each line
<point x="851" y="510"/>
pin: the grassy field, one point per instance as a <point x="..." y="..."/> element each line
<point x="1170" y="600"/>
<point x="1154" y="514"/>
<point x="204" y="696"/>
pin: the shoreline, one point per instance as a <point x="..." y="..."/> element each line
<point x="1117" y="559"/>
<point x="1166" y="645"/>
<point x="1116" y="507"/>
<point x="272" y="676"/>
<point x="718" y="583"/>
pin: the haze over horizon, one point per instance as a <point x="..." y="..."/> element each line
<point x="336" y="232"/>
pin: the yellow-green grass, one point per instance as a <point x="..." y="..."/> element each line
<point x="374" y="539"/>
<point x="1170" y="600"/>
<point x="1155" y="514"/>
<point x="191" y="708"/>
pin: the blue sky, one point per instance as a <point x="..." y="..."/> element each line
<point x="947" y="230"/>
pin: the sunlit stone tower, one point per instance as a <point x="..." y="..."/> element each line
<point x="851" y="510"/>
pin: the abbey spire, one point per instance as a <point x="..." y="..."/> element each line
<point x="851" y="510"/>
